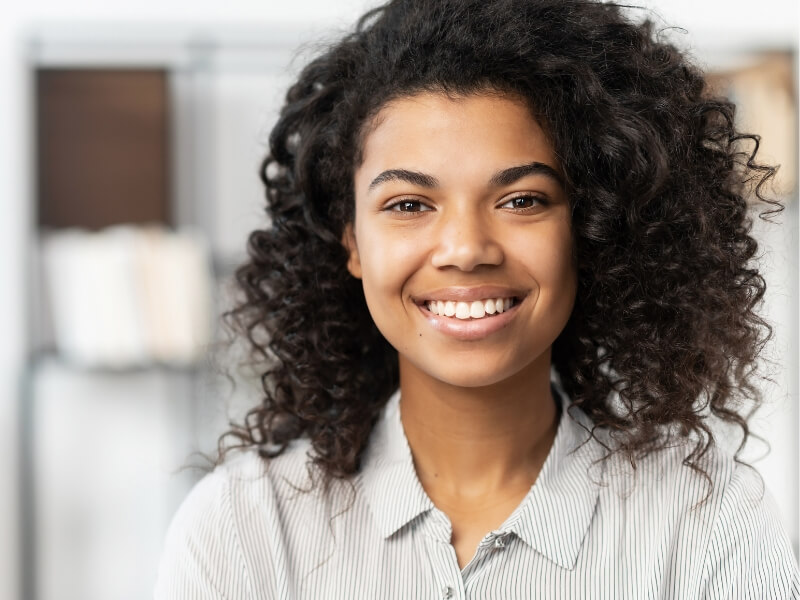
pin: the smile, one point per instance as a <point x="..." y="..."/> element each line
<point x="471" y="314"/>
<point x="477" y="309"/>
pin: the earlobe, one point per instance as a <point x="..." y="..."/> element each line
<point x="349" y="243"/>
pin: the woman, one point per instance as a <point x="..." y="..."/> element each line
<point x="506" y="290"/>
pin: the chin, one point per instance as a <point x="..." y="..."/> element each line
<point x="465" y="376"/>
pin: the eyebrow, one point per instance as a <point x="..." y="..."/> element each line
<point x="415" y="177"/>
<point x="510" y="175"/>
<point x="501" y="178"/>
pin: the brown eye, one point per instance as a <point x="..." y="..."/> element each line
<point x="523" y="202"/>
<point x="409" y="206"/>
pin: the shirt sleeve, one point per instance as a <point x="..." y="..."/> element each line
<point x="202" y="557"/>
<point x="749" y="554"/>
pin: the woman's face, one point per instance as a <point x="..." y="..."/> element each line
<point x="459" y="204"/>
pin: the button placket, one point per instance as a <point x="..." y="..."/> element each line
<point x="442" y="557"/>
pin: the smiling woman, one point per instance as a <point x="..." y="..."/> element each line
<point x="464" y="242"/>
<point x="506" y="291"/>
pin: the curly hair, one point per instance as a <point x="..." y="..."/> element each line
<point x="664" y="334"/>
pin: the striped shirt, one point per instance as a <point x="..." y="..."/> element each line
<point x="586" y="529"/>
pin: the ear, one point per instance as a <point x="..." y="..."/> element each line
<point x="349" y="243"/>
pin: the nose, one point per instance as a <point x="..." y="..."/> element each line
<point x="466" y="241"/>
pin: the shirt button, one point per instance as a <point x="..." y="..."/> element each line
<point x="499" y="542"/>
<point x="447" y="592"/>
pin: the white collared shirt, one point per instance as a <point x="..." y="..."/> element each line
<point x="587" y="529"/>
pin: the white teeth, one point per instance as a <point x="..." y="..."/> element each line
<point x="462" y="310"/>
<point x="477" y="309"/>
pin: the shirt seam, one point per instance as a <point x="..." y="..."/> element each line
<point x="716" y="533"/>
<point x="228" y="502"/>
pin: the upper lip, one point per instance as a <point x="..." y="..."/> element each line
<point x="468" y="294"/>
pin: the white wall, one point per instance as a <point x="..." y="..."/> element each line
<point x="771" y="23"/>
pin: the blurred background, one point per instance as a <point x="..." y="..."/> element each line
<point x="132" y="133"/>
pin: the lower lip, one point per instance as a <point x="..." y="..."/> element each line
<point x="469" y="329"/>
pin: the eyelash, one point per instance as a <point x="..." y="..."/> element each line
<point x="539" y="201"/>
<point x="395" y="207"/>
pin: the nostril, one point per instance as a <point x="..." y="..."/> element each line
<point x="467" y="253"/>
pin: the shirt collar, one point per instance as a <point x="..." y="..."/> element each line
<point x="388" y="478"/>
<point x="552" y="519"/>
<point x="555" y="515"/>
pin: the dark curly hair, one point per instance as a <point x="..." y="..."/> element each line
<point x="664" y="333"/>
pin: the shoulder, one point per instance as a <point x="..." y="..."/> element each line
<point x="245" y="478"/>
<point x="253" y="492"/>
<point x="667" y="474"/>
<point x="708" y="492"/>
<point x="278" y="493"/>
<point x="749" y="553"/>
<point x="202" y="555"/>
<point x="218" y="543"/>
<point x="720" y="527"/>
<point x="248" y="475"/>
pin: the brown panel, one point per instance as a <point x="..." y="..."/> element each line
<point x="102" y="147"/>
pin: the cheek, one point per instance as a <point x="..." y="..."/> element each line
<point x="563" y="276"/>
<point x="388" y="254"/>
<point x="387" y="262"/>
<point x="548" y="255"/>
<point x="561" y="264"/>
<point x="561" y="272"/>
<point x="548" y="259"/>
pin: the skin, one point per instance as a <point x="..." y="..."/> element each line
<point x="478" y="412"/>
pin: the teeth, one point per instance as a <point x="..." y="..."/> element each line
<point x="477" y="309"/>
<point x="470" y="310"/>
<point x="462" y="310"/>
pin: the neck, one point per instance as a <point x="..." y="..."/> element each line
<point x="471" y="444"/>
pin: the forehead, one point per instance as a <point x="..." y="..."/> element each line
<point x="433" y="129"/>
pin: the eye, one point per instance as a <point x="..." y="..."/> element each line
<point x="408" y="206"/>
<point x="525" y="202"/>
